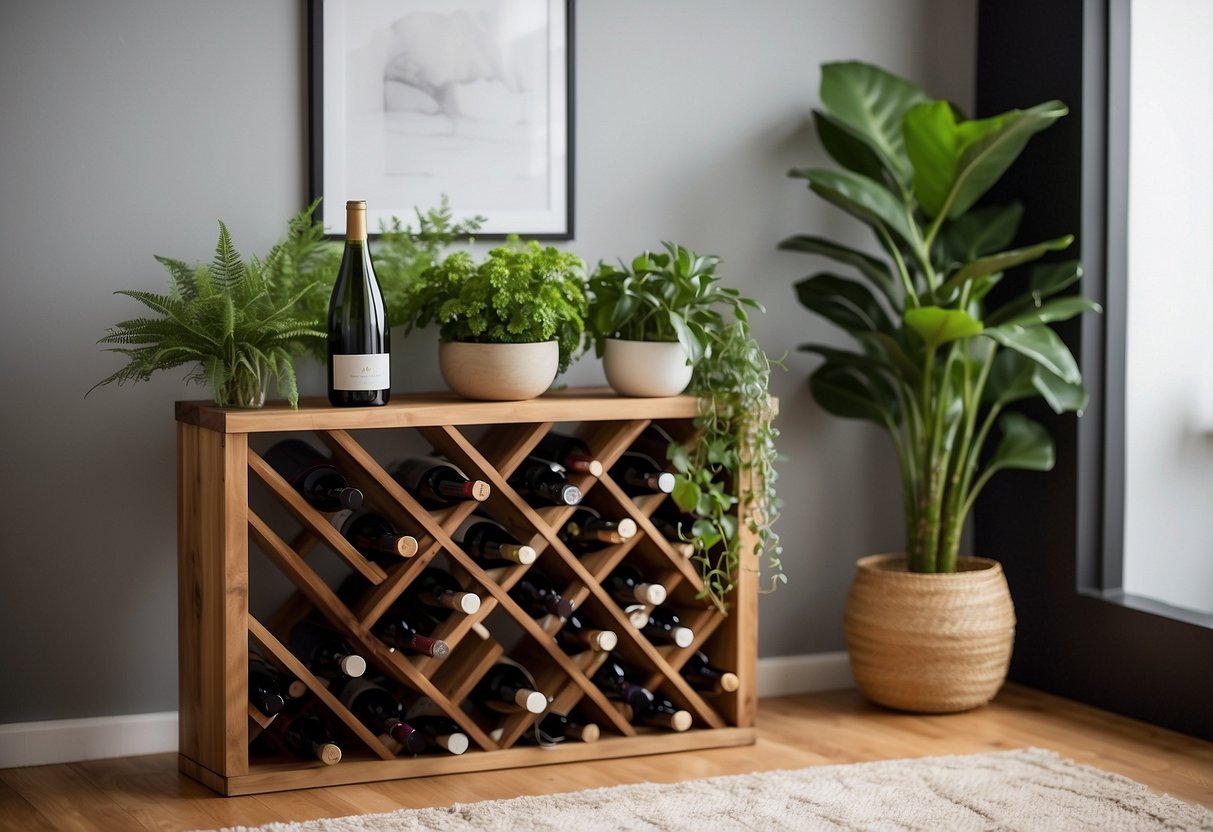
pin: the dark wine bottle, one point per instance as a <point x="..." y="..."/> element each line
<point x="508" y="688"/>
<point x="674" y="529"/>
<point x="407" y="630"/>
<point x="264" y="686"/>
<point x="705" y="677"/>
<point x="644" y="707"/>
<point x="440" y="592"/>
<point x="307" y="736"/>
<point x="436" y="483"/>
<point x="570" y="452"/>
<point x="377" y="538"/>
<point x="324" y="652"/>
<point x="577" y="636"/>
<point x="538" y="596"/>
<point x="664" y="627"/>
<point x="553" y="728"/>
<point x="375" y="707"/>
<point x="359" y="372"/>
<point x="490" y="543"/>
<point x="440" y="734"/>
<point x="587" y="531"/>
<point x="311" y="474"/>
<point x="638" y="473"/>
<point x="662" y="713"/>
<point x="544" y="482"/>
<point x="627" y="586"/>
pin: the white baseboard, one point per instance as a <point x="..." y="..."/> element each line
<point x="95" y="738"/>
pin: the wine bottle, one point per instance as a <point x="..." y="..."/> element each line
<point x="645" y="707"/>
<point x="664" y="627"/>
<point x="324" y="652"/>
<point x="705" y="677"/>
<point x="673" y="531"/>
<point x="406" y="630"/>
<point x="307" y="736"/>
<point x="587" y="531"/>
<point x="553" y="728"/>
<point x="311" y="474"/>
<point x="639" y="473"/>
<point x="440" y="734"/>
<point x="264" y="686"/>
<point x="508" y="688"/>
<point x="539" y="596"/>
<point x="359" y="365"/>
<point x="662" y="713"/>
<point x="489" y="542"/>
<point x="436" y="483"/>
<point x="375" y="707"/>
<point x="377" y="538"/>
<point x="570" y="452"/>
<point x="627" y="586"/>
<point x="439" y="591"/>
<point x="545" y="483"/>
<point x="577" y="636"/>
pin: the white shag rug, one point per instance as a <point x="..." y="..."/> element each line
<point x="1028" y="789"/>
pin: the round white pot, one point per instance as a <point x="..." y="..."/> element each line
<point x="646" y="368"/>
<point x="499" y="372"/>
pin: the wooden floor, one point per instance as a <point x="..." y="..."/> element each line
<point x="147" y="793"/>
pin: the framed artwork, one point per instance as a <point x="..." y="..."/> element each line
<point x="414" y="100"/>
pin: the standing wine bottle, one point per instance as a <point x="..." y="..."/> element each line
<point x="490" y="543"/>
<point x="577" y="636"/>
<point x="570" y="452"/>
<point x="307" y="736"/>
<point x="553" y="728"/>
<point x="375" y="707"/>
<point x="324" y="652"/>
<point x="627" y="586"/>
<point x="264" y="687"/>
<point x="377" y="538"/>
<point x="664" y="627"/>
<point x="587" y="530"/>
<point x="639" y="473"/>
<point x="544" y="482"/>
<point x="705" y="677"/>
<point x="311" y="474"/>
<point x="538" y="596"/>
<point x="359" y="372"/>
<point x="508" y="688"/>
<point x="437" y="483"/>
<point x="439" y="592"/>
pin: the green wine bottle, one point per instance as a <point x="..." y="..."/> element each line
<point x="358" y="335"/>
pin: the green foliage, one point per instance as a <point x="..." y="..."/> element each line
<point x="227" y="317"/>
<point x="521" y="293"/>
<point x="937" y="363"/>
<point x="401" y="254"/>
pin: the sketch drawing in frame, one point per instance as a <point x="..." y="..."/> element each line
<point x="415" y="99"/>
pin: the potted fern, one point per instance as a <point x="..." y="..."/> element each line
<point x="226" y="319"/>
<point x="507" y="325"/>
<point x="940" y="358"/>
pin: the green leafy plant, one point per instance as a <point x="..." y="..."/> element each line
<point x="520" y="293"/>
<point x="676" y="295"/>
<point x="226" y="317"/>
<point x="939" y="360"/>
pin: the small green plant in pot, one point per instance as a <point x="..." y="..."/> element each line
<point x="674" y="299"/>
<point x="227" y="318"/>
<point x="508" y="325"/>
<point x="938" y="360"/>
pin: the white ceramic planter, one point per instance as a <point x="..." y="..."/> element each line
<point x="646" y="368"/>
<point x="499" y="372"/>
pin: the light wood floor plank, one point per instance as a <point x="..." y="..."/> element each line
<point x="147" y="793"/>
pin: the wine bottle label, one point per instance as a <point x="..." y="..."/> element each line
<point x="362" y="372"/>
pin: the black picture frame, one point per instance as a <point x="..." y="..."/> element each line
<point x="388" y="116"/>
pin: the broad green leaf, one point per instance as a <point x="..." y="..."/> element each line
<point x="863" y="198"/>
<point x="1014" y="377"/>
<point x="846" y="148"/>
<point x="872" y="268"/>
<point x="872" y="102"/>
<point x="893" y="349"/>
<point x="1052" y="311"/>
<point x="1040" y="344"/>
<point x="935" y="325"/>
<point x="1024" y="445"/>
<point x="1045" y="281"/>
<point x="843" y="302"/>
<point x="1000" y="262"/>
<point x="850" y="392"/>
<point x="1061" y="396"/>
<point x="981" y="231"/>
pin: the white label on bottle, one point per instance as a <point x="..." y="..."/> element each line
<point x="362" y="372"/>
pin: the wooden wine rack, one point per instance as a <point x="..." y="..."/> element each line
<point x="216" y="524"/>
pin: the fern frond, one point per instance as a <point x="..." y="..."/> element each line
<point x="227" y="266"/>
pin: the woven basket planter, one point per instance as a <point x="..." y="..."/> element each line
<point x="929" y="643"/>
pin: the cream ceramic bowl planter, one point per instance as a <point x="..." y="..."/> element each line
<point x="929" y="643"/>
<point x="499" y="372"/>
<point x="646" y="368"/>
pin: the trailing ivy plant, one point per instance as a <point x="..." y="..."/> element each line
<point x="227" y="319"/>
<point x="520" y="293"/>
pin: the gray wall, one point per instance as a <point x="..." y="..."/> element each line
<point x="128" y="127"/>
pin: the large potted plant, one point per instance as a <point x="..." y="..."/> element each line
<point x="664" y="324"/>
<point x="939" y="361"/>
<point x="228" y="319"/>
<point x="507" y="325"/>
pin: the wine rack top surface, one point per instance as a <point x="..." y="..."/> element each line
<point x="428" y="409"/>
